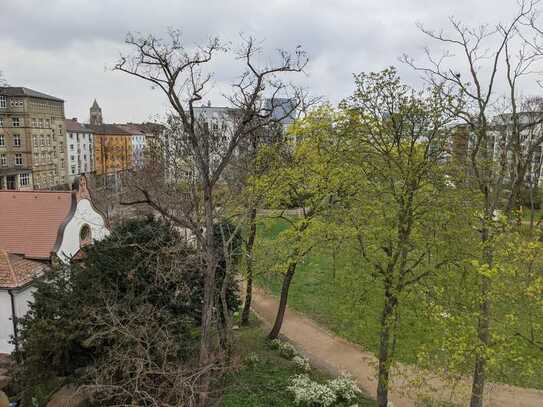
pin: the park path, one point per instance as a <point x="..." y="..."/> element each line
<point x="334" y="354"/>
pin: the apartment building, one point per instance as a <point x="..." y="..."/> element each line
<point x="138" y="143"/>
<point x="498" y="145"/>
<point x="113" y="153"/>
<point x="80" y="156"/>
<point x="31" y="139"/>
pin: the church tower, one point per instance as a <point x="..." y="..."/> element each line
<point x="95" y="114"/>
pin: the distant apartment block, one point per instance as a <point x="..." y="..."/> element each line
<point x="79" y="149"/>
<point x="112" y="146"/>
<point x="31" y="139"/>
<point x="498" y="145"/>
<point x="138" y="143"/>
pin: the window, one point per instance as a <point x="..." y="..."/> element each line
<point x="71" y="146"/>
<point x="24" y="179"/>
<point x="85" y="234"/>
<point x="18" y="159"/>
<point x="42" y="141"/>
<point x="1" y="122"/>
<point x="15" y="121"/>
<point x="34" y="141"/>
<point x="48" y="140"/>
<point x="62" y="163"/>
<point x="72" y="157"/>
<point x="47" y="123"/>
<point x="73" y="169"/>
<point x="71" y="136"/>
<point x="2" y="142"/>
<point x="34" y="122"/>
<point x="3" y="102"/>
<point x="36" y="158"/>
<point x="40" y="122"/>
<point x="16" y="140"/>
<point x="3" y="160"/>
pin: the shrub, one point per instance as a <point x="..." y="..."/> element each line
<point x="302" y="363"/>
<point x="285" y="349"/>
<point x="345" y="388"/>
<point x="310" y="393"/>
<point x="126" y="318"/>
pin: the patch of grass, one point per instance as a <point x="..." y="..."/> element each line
<point x="264" y="375"/>
<point x="338" y="294"/>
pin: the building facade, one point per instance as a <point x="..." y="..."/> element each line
<point x="138" y="143"/>
<point x="79" y="150"/>
<point x="113" y="151"/>
<point x="39" y="229"/>
<point x="31" y="139"/>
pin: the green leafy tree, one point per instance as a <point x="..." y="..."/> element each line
<point x="306" y="176"/>
<point x="399" y="215"/>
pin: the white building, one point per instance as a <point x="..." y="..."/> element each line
<point x="79" y="150"/>
<point x="38" y="227"/>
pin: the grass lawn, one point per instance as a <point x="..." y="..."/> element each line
<point x="264" y="383"/>
<point x="332" y="291"/>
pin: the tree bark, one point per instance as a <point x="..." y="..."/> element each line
<point x="384" y="348"/>
<point x="209" y="295"/>
<point x="250" y="262"/>
<point x="483" y="332"/>
<point x="274" y="333"/>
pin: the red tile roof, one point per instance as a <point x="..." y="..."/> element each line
<point x="16" y="271"/>
<point x="30" y="221"/>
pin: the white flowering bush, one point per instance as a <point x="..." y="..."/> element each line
<point x="345" y="388"/>
<point x="302" y="363"/>
<point x="276" y="344"/>
<point x="313" y="394"/>
<point x="309" y="393"/>
<point x="285" y="349"/>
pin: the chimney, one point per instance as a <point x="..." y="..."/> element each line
<point x="74" y="119"/>
<point x="209" y="103"/>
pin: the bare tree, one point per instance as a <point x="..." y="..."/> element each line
<point x="502" y="140"/>
<point x="197" y="150"/>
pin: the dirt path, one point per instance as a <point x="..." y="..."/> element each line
<point x="335" y="354"/>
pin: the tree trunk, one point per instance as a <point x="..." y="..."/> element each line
<point x="274" y="333"/>
<point x="532" y="207"/>
<point x="250" y="261"/>
<point x="483" y="332"/>
<point x="384" y="348"/>
<point x="209" y="296"/>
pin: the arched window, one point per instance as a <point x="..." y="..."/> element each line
<point x="85" y="235"/>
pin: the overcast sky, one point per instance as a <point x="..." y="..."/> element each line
<point x="67" y="47"/>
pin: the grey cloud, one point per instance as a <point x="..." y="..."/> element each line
<point x="63" y="46"/>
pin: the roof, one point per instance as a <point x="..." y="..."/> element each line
<point x="105" y="129"/>
<point x="74" y="126"/>
<point x="16" y="271"/>
<point x="133" y="129"/>
<point x="95" y="105"/>
<point x="31" y="221"/>
<point x="22" y="92"/>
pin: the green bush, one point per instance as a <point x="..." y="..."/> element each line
<point x="127" y="315"/>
